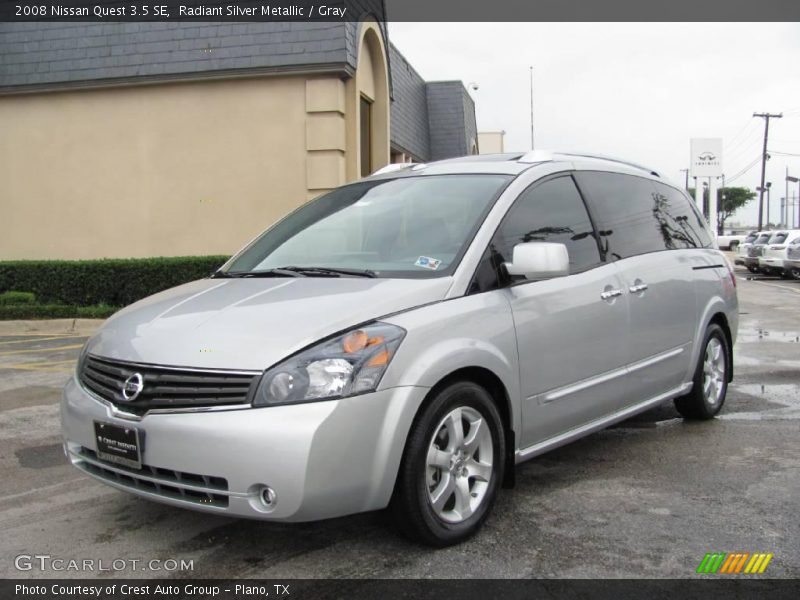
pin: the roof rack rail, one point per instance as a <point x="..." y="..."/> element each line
<point x="613" y="159"/>
<point x="535" y="156"/>
<point x="392" y="167"/>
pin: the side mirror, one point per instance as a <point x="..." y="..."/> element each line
<point x="539" y="260"/>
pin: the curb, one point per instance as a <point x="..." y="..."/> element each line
<point x="78" y="327"/>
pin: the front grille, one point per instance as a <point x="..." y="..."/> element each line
<point x="197" y="489"/>
<point x="755" y="251"/>
<point x="794" y="252"/>
<point x="164" y="388"/>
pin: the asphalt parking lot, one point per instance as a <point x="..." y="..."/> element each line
<point x="648" y="498"/>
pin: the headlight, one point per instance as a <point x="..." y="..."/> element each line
<point x="349" y="364"/>
<point x="82" y="359"/>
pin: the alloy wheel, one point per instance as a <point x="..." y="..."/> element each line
<point x="459" y="464"/>
<point x="713" y="372"/>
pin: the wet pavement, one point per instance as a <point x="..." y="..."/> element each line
<point x="647" y="498"/>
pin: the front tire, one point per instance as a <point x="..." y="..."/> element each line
<point x="710" y="383"/>
<point x="452" y="467"/>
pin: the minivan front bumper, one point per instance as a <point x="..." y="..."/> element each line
<point x="320" y="459"/>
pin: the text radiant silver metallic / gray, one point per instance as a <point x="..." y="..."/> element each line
<point x="405" y="339"/>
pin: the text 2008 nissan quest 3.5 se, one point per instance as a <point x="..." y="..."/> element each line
<point x="404" y="340"/>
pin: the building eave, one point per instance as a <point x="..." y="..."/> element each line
<point x="342" y="69"/>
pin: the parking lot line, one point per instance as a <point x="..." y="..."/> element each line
<point x="40" y="339"/>
<point x="55" y="366"/>
<point x="35" y="368"/>
<point x="777" y="285"/>
<point x="41" y="363"/>
<point x="40" y="350"/>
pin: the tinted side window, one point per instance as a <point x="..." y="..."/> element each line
<point x="778" y="238"/>
<point x="628" y="213"/>
<point x="679" y="222"/>
<point x="552" y="211"/>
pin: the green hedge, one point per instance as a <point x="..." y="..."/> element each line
<point x="12" y="297"/>
<point x="113" y="282"/>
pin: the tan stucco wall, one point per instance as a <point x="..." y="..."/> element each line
<point x="176" y="169"/>
<point x="491" y="142"/>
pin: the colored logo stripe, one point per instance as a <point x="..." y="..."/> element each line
<point x="734" y="563"/>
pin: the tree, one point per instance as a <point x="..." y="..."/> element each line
<point x="729" y="200"/>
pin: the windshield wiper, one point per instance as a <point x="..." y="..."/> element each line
<point x="266" y="273"/>
<point x="330" y="271"/>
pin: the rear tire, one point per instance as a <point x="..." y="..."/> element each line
<point x="752" y="269"/>
<point x="734" y="246"/>
<point x="452" y="466"/>
<point x="710" y="383"/>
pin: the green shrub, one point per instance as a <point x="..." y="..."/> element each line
<point x="12" y="297"/>
<point x="111" y="282"/>
<point x="101" y="311"/>
<point x="54" y="311"/>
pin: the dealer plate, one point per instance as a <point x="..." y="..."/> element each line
<point x="118" y="444"/>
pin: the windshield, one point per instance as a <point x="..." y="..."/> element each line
<point x="405" y="227"/>
<point x="763" y="238"/>
<point x="749" y="239"/>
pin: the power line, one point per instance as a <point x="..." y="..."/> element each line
<point x="740" y="140"/>
<point x="741" y="131"/>
<point x="729" y="180"/>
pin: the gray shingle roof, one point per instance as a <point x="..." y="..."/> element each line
<point x="451" y="115"/>
<point x="409" y="117"/>
<point x="70" y="53"/>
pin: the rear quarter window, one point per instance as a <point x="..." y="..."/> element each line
<point x="637" y="216"/>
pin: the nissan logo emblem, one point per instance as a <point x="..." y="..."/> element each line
<point x="132" y="387"/>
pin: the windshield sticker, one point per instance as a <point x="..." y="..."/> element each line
<point x="428" y="263"/>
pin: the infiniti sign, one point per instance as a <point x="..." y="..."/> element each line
<point x="706" y="157"/>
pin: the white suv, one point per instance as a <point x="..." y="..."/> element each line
<point x="774" y="254"/>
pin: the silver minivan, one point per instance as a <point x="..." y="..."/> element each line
<point x="405" y="340"/>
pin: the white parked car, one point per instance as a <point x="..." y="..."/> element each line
<point x="732" y="241"/>
<point x="741" y="249"/>
<point x="754" y="251"/>
<point x="793" y="259"/>
<point x="774" y="255"/>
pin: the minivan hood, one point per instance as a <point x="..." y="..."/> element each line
<point x="252" y="323"/>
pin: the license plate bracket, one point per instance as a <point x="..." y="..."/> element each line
<point x="118" y="444"/>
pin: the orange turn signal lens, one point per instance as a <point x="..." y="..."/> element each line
<point x="380" y="359"/>
<point x="355" y="341"/>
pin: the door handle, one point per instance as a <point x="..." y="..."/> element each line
<point x="635" y="289"/>
<point x="607" y="295"/>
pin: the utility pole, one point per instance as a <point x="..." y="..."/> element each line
<point x="531" y="107"/>
<point x="686" y="185"/>
<point x="766" y="117"/>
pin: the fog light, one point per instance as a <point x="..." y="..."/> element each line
<point x="268" y="497"/>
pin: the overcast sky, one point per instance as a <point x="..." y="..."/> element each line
<point x="635" y="90"/>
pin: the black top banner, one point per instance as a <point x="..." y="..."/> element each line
<point x="400" y="10"/>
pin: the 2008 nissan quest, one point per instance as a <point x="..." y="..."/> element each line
<point x="404" y="340"/>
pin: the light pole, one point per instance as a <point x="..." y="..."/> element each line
<point x="686" y="172"/>
<point x="796" y="180"/>
<point x="531" y="68"/>
<point x="769" y="185"/>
